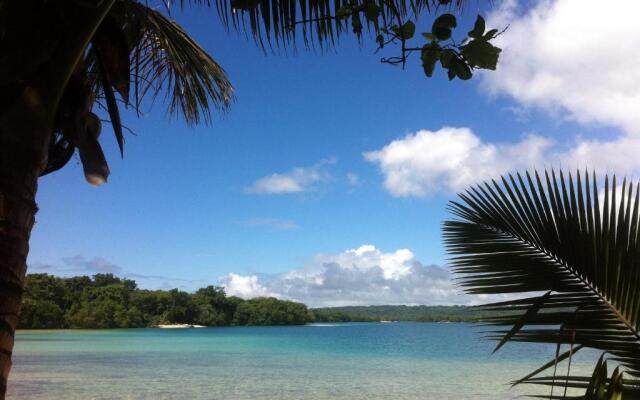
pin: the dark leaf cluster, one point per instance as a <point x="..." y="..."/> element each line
<point x="475" y="52"/>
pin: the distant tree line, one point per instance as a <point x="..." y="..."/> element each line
<point x="106" y="301"/>
<point x="399" y="313"/>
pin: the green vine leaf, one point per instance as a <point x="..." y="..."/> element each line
<point x="405" y="31"/>
<point x="478" y="28"/>
<point x="443" y="25"/>
<point x="430" y="54"/>
<point x="445" y="58"/>
<point x="481" y="54"/>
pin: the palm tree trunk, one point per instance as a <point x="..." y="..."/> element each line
<point x="20" y="164"/>
<point x="26" y="122"/>
<point x="24" y="135"/>
<point x="17" y="212"/>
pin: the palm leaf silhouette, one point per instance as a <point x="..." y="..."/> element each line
<point x="561" y="236"/>
<point x="137" y="47"/>
<point x="275" y="22"/>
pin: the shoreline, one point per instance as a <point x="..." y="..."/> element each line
<point x="179" y="326"/>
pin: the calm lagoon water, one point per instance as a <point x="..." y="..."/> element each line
<point x="399" y="361"/>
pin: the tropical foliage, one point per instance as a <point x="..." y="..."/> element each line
<point x="399" y="313"/>
<point x="565" y="251"/>
<point x="135" y="49"/>
<point x="138" y="51"/>
<point x="106" y="301"/>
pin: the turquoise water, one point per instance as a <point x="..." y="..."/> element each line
<point x="398" y="361"/>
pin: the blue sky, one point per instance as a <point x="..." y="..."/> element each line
<point x="328" y="179"/>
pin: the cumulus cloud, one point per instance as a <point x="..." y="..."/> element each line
<point x="619" y="155"/>
<point x="576" y="57"/>
<point x="297" y="180"/>
<point x="426" y="162"/>
<point x="450" y="159"/>
<point x="360" y="276"/>
<point x="244" y="286"/>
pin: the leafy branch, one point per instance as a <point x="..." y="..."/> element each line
<point x="459" y="59"/>
<point x="475" y="51"/>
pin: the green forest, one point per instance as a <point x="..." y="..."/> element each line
<point x="106" y="301"/>
<point x="398" y="313"/>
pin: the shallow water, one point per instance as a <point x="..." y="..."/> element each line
<point x="400" y="361"/>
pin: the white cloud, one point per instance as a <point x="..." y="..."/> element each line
<point x="274" y="223"/>
<point x="619" y="155"/>
<point x="244" y="286"/>
<point x="366" y="257"/>
<point x="297" y="180"/>
<point x="450" y="159"/>
<point x="360" y="276"/>
<point x="576" y="57"/>
<point x="292" y="182"/>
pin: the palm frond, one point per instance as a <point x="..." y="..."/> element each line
<point x="165" y="59"/>
<point x="140" y="46"/>
<point x="280" y="22"/>
<point x="551" y="234"/>
<point x="60" y="152"/>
